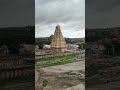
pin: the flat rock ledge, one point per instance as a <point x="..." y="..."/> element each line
<point x="77" y="87"/>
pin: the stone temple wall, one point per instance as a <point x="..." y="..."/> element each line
<point x="12" y="73"/>
<point x="12" y="66"/>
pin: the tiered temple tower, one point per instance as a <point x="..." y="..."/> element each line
<point x="58" y="42"/>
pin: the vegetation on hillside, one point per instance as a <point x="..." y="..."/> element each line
<point x="14" y="36"/>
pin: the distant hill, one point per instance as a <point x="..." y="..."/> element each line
<point x="102" y="33"/>
<point x="17" y="35"/>
<point x="47" y="40"/>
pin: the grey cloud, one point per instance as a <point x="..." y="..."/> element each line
<point x="16" y="13"/>
<point x="48" y="1"/>
<point x="102" y="13"/>
<point x="69" y="14"/>
<point x="102" y="5"/>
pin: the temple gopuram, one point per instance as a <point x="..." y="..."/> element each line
<point x="58" y="42"/>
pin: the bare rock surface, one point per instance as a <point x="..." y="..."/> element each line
<point x="77" y="87"/>
<point x="62" y="77"/>
<point x="109" y="86"/>
<point x="79" y="65"/>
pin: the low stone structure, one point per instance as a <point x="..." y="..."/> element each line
<point x="72" y="47"/>
<point x="46" y="46"/>
<point x="12" y="66"/>
<point x="17" y="72"/>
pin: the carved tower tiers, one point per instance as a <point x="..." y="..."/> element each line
<point x="58" y="42"/>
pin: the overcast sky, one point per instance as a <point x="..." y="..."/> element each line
<point x="102" y="13"/>
<point x="17" y="13"/>
<point x="69" y="14"/>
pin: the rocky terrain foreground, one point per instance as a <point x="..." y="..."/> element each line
<point x="77" y="87"/>
<point x="109" y="86"/>
<point x="62" y="77"/>
<point x="21" y="86"/>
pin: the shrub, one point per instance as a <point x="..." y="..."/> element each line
<point x="45" y="82"/>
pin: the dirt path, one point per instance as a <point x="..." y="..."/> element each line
<point x="79" y="65"/>
<point x="62" y="76"/>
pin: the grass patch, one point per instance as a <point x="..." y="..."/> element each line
<point x="45" y="82"/>
<point x="61" y="58"/>
<point x="55" y="64"/>
<point x="13" y="81"/>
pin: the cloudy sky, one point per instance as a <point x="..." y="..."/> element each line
<point x="17" y="13"/>
<point x="69" y="14"/>
<point x="102" y="13"/>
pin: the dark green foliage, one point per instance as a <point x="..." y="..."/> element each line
<point x="93" y="35"/>
<point x="14" y="36"/>
<point x="81" y="46"/>
<point x="22" y="79"/>
<point x="56" y="58"/>
<point x="45" y="82"/>
<point x="112" y="47"/>
<point x="17" y="34"/>
<point x="91" y="71"/>
<point x="41" y="41"/>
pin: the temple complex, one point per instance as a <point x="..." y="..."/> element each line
<point x="58" y="42"/>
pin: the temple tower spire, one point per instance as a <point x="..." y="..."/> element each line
<point x="58" y="42"/>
